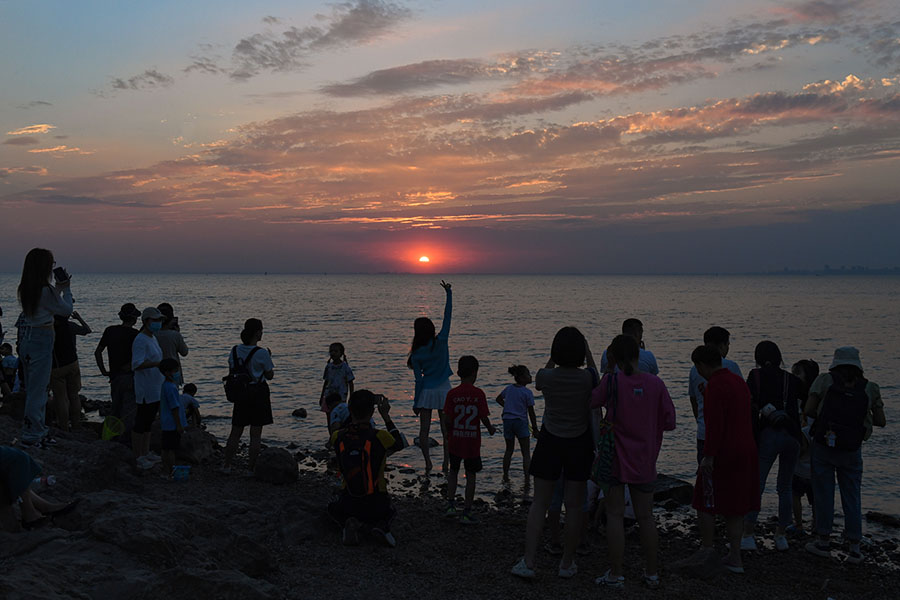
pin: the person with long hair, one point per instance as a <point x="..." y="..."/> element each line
<point x="40" y="303"/>
<point x="255" y="409"/>
<point x="429" y="358"/>
<point x="640" y="408"/>
<point x="775" y="409"/>
<point x="565" y="446"/>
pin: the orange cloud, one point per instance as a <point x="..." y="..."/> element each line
<point x="32" y="129"/>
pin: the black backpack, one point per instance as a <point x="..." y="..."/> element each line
<point x="238" y="381"/>
<point x="843" y="412"/>
<point x="360" y="455"/>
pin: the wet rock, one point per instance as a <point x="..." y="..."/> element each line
<point x="883" y="518"/>
<point x="300" y="413"/>
<point x="276" y="465"/>
<point x="669" y="488"/>
<point x="407" y="470"/>
<point x="432" y="443"/>
<point x="293" y="446"/>
<point x="197" y="446"/>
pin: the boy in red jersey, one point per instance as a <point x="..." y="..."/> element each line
<point x="464" y="410"/>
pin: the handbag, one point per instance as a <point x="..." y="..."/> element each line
<point x="605" y="452"/>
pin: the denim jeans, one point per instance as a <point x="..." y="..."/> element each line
<point x="36" y="353"/>
<point x="847" y="465"/>
<point x="777" y="443"/>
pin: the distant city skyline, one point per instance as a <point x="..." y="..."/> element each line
<point x="358" y="136"/>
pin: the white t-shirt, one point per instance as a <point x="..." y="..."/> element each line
<point x="646" y="362"/>
<point x="516" y="400"/>
<point x="696" y="386"/>
<point x="336" y="379"/>
<point x="259" y="364"/>
<point x="147" y="382"/>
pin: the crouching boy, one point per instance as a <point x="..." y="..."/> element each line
<point x="361" y="453"/>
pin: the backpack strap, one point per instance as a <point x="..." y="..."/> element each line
<point x="247" y="362"/>
<point x="234" y="360"/>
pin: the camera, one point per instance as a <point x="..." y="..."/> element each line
<point x="61" y="275"/>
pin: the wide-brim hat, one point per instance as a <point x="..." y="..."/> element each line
<point x="846" y="355"/>
<point x="151" y="313"/>
<point x="129" y="310"/>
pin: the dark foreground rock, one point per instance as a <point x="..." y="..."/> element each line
<point x="276" y="465"/>
<point x="138" y="535"/>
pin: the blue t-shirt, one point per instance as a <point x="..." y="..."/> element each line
<point x="431" y="363"/>
<point x="168" y="401"/>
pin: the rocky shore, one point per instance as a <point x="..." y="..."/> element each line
<point x="137" y="534"/>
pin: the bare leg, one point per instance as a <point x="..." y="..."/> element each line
<point x="643" y="509"/>
<point x="255" y="442"/>
<point x="137" y="444"/>
<point x="446" y="464"/>
<point x="145" y="443"/>
<point x="507" y="457"/>
<point x="452" y="480"/>
<point x="470" y="490"/>
<point x="734" y="527"/>
<point x="543" y="493"/>
<point x="40" y="503"/>
<point x="798" y="511"/>
<point x="525" y="445"/>
<point x="707" y="524"/>
<point x="424" y="430"/>
<point x="615" y="528"/>
<point x="576" y="492"/>
<point x="231" y="445"/>
<point x="29" y="511"/>
<point x="168" y="461"/>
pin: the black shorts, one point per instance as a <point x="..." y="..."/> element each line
<point x="143" y="419"/>
<point x="170" y="439"/>
<point x="473" y="465"/>
<point x="554" y="456"/>
<point x="255" y="410"/>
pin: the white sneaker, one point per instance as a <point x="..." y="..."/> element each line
<point x="568" y="572"/>
<point x="143" y="464"/>
<point x="748" y="542"/>
<point x="781" y="543"/>
<point x="520" y="569"/>
<point x="153" y="458"/>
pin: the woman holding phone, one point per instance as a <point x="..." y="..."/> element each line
<point x="40" y="302"/>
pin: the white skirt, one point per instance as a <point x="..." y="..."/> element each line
<point x="433" y="398"/>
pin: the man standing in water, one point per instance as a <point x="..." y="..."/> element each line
<point x="117" y="341"/>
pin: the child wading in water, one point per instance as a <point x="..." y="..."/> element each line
<point x="518" y="408"/>
<point x="172" y="418"/>
<point x="338" y="381"/>
<point x="464" y="411"/>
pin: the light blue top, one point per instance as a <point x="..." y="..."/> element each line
<point x="431" y="362"/>
<point x="646" y="362"/>
<point x="168" y="402"/>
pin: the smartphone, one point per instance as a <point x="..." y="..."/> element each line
<point x="60" y="274"/>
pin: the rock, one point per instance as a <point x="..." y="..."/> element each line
<point x="14" y="406"/>
<point x="300" y="413"/>
<point x="666" y="488"/>
<point x="276" y="465"/>
<point x="197" y="446"/>
<point x="432" y="443"/>
<point x="198" y="583"/>
<point x="299" y="521"/>
<point x="293" y="446"/>
<point x="883" y="519"/>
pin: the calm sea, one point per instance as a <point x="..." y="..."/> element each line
<point x="502" y="320"/>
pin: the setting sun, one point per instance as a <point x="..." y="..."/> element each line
<point x="424" y="259"/>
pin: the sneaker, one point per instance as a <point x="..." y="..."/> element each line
<point x="732" y="568"/>
<point x="350" y="535"/>
<point x="819" y="548"/>
<point x="451" y="512"/>
<point x="568" y="572"/>
<point x="520" y="569"/>
<point x="607" y="580"/>
<point x="143" y="464"/>
<point x="651" y="581"/>
<point x="385" y="536"/>
<point x="793" y="531"/>
<point x="154" y="458"/>
<point x="748" y="542"/>
<point x="49" y="441"/>
<point x="781" y="543"/>
<point x="468" y="519"/>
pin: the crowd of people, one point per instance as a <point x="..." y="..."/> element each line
<point x="598" y="441"/>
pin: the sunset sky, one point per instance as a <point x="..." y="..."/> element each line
<point x="519" y="136"/>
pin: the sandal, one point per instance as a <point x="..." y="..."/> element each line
<point x="651" y="581"/>
<point x="614" y="583"/>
